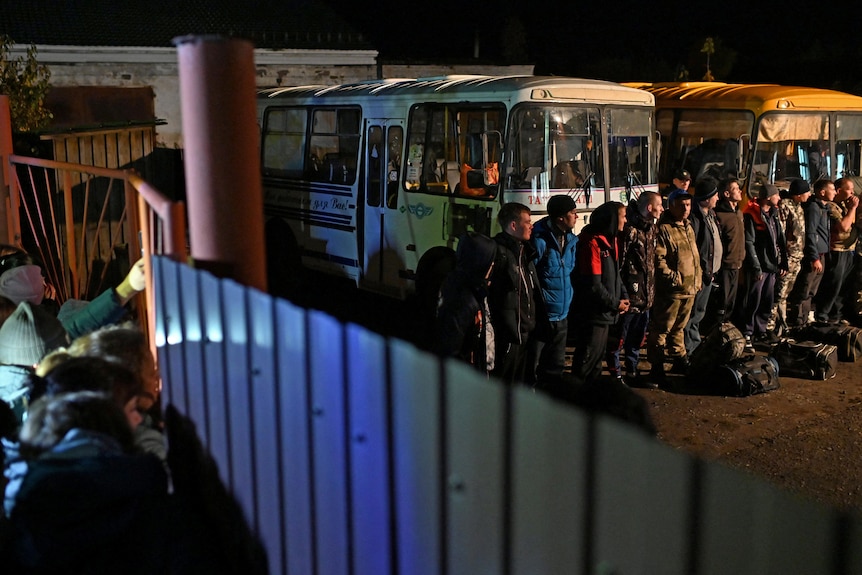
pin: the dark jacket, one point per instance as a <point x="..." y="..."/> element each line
<point x="598" y="282"/>
<point x="514" y="294"/>
<point x="637" y="267"/>
<point x="705" y="244"/>
<point x="463" y="327"/>
<point x="816" y="229"/>
<point x="732" y="235"/>
<point x="765" y="248"/>
<point x="554" y="267"/>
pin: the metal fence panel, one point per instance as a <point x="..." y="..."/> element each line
<point x="548" y="487"/>
<point x="369" y="451"/>
<point x="329" y="440"/>
<point x="416" y="430"/>
<point x="195" y="398"/>
<point x="295" y="435"/>
<point x="641" y="502"/>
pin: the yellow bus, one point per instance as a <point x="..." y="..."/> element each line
<point x="762" y="133"/>
<point x="376" y="181"/>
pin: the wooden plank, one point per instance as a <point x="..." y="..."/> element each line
<point x="294" y="401"/>
<point x="548" y="485"/>
<point x="237" y="375"/>
<point x="266" y="445"/>
<point x="641" y="502"/>
<point x="369" y="452"/>
<point x="749" y="526"/>
<point x="329" y="435"/>
<point x="416" y="459"/>
<point x="475" y="470"/>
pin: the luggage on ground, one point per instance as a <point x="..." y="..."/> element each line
<point x="722" y="344"/>
<point x="806" y="359"/>
<point x="746" y="376"/>
<point x="847" y="338"/>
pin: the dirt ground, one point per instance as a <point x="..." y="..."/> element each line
<point x="805" y="437"/>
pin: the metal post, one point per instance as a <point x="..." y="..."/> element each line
<point x="222" y="163"/>
<point x="6" y="150"/>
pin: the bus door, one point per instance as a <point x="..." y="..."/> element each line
<point x="382" y="260"/>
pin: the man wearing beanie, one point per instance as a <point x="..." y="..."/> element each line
<point x="765" y="260"/>
<point x="792" y="220"/>
<point x="704" y="224"/>
<point x="554" y="243"/>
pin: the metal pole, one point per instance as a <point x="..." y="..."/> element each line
<point x="6" y="150"/>
<point x="222" y="163"/>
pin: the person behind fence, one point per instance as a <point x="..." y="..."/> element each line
<point x="80" y="499"/>
<point x="637" y="270"/>
<point x="514" y="295"/>
<point x="555" y="245"/>
<point x="723" y="302"/>
<point x="678" y="279"/>
<point x="765" y="261"/>
<point x="601" y="296"/>
<point x="843" y="234"/>
<point x="792" y="219"/>
<point x="463" y="326"/>
<point x="799" y="302"/>
<point x="22" y="280"/>
<point x="704" y="224"/>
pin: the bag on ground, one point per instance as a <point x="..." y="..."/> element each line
<point x="746" y="376"/>
<point x="847" y="338"/>
<point x="806" y="359"/>
<point x="721" y="345"/>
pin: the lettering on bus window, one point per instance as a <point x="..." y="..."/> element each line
<point x="284" y="142"/>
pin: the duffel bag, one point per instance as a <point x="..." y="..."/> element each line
<point x="746" y="376"/>
<point x="722" y="344"/>
<point x="806" y="359"/>
<point x="847" y="338"/>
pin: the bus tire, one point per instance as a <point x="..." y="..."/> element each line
<point x="283" y="259"/>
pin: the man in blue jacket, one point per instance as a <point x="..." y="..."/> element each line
<point x="554" y="243"/>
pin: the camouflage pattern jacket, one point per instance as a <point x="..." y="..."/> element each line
<point x="677" y="261"/>
<point x="792" y="219"/>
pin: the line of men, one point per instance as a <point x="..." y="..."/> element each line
<point x="642" y="273"/>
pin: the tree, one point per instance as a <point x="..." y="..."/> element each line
<point x="25" y="81"/>
<point x="709" y="49"/>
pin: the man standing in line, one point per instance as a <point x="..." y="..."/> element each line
<point x="681" y="181"/>
<point x="733" y="250"/>
<point x="704" y="224"/>
<point x="554" y="245"/>
<point x="843" y="233"/>
<point x="792" y="219"/>
<point x="514" y="293"/>
<point x="637" y="269"/>
<point x="814" y="253"/>
<point x="677" y="279"/>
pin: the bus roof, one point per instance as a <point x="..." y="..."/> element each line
<point x="758" y="97"/>
<point x="536" y="88"/>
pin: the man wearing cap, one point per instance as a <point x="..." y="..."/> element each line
<point x="765" y="259"/>
<point x="814" y="253"/>
<point x="843" y="233"/>
<point x="678" y="279"/>
<point x="681" y="181"/>
<point x="732" y="230"/>
<point x="554" y="244"/>
<point x="704" y="224"/>
<point x="792" y="219"/>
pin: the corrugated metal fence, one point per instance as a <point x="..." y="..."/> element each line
<point x="355" y="454"/>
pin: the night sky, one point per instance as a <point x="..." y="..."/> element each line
<point x="626" y="40"/>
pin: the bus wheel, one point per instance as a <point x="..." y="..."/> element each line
<point x="433" y="268"/>
<point x="283" y="261"/>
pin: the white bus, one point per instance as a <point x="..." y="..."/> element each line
<point x="376" y="181"/>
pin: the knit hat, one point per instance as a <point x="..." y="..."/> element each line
<point x="674" y="195"/>
<point x="560" y="205"/>
<point x="705" y="188"/>
<point x="23" y="283"/>
<point x="766" y="190"/>
<point x="799" y="187"/>
<point x="28" y="334"/>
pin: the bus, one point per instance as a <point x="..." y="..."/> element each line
<point x="761" y="133"/>
<point x="376" y="181"/>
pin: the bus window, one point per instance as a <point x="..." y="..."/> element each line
<point x="848" y="144"/>
<point x="334" y="143"/>
<point x="792" y="146"/>
<point x="284" y="142"/>
<point x="375" y="166"/>
<point x="430" y="143"/>
<point x="628" y="147"/>
<point x="394" y="141"/>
